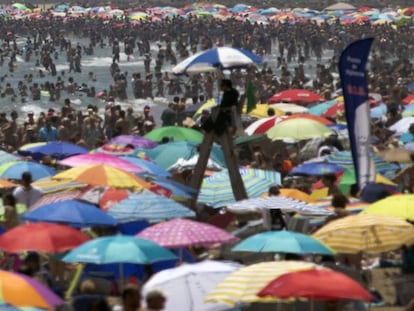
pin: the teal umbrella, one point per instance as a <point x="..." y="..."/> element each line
<point x="119" y="249"/>
<point x="319" y="109"/>
<point x="282" y="242"/>
<point x="176" y="133"/>
<point x="168" y="154"/>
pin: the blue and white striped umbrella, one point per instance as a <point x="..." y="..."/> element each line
<point x="216" y="190"/>
<point x="286" y="205"/>
<point x="344" y="159"/>
<point x="220" y="58"/>
<point x="150" y="207"/>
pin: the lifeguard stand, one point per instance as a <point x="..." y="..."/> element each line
<point x="226" y="141"/>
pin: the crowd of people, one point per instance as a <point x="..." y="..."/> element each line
<point x="296" y="46"/>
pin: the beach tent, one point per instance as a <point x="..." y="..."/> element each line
<point x="340" y="6"/>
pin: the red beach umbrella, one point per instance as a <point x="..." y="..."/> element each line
<point x="45" y="237"/>
<point x="316" y="284"/>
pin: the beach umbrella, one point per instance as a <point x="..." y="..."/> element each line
<point x="289" y="108"/>
<point x="321" y="120"/>
<point x="319" y="109"/>
<point x="8" y="157"/>
<point x="103" y="176"/>
<point x="57" y="197"/>
<point x="4" y="184"/>
<point x="148" y="206"/>
<point x="48" y="185"/>
<point x="15" y="169"/>
<point x="72" y="212"/>
<point x="296" y="194"/>
<point x="216" y="189"/>
<point x="219" y="57"/>
<point x="167" y="154"/>
<point x="147" y="166"/>
<point x="261" y="111"/>
<point x="178" y="190"/>
<point x="398" y="205"/>
<point x="100" y="158"/>
<point x="298" y="129"/>
<point x="316" y="284"/>
<point x="344" y="158"/>
<point x="347" y="179"/>
<point x="176" y="133"/>
<point x="119" y="249"/>
<point x="187" y="284"/>
<point x="177" y="233"/>
<point x="9" y="307"/>
<point x="20" y="290"/>
<point x="136" y="141"/>
<point x="316" y="169"/>
<point x="41" y="237"/>
<point x="296" y="96"/>
<point x="282" y="242"/>
<point x="262" y="125"/>
<point x="19" y="6"/>
<point x="333" y="110"/>
<point x="242" y="285"/>
<point x="402" y="126"/>
<point x="285" y="204"/>
<point x="55" y="149"/>
<point x="116" y="150"/>
<point x="190" y="164"/>
<point x="366" y="233"/>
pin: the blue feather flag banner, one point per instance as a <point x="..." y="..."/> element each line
<point x="354" y="80"/>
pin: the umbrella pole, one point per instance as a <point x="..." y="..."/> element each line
<point x="312" y="305"/>
<point x="121" y="276"/>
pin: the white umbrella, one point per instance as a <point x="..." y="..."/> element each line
<point x="402" y="125"/>
<point x="186" y="286"/>
<point x="183" y="164"/>
<point x="286" y="205"/>
<point x="292" y="108"/>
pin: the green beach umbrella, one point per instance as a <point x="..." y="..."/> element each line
<point x="298" y="129"/>
<point x="177" y="133"/>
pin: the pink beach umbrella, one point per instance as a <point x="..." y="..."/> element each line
<point x="100" y="158"/>
<point x="180" y="232"/>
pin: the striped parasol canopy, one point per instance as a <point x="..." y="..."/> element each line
<point x="243" y="285"/>
<point x="286" y="205"/>
<point x="216" y="189"/>
<point x="344" y="158"/>
<point x="366" y="233"/>
<point x="148" y="206"/>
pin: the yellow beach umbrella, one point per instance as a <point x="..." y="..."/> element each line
<point x="366" y="233"/>
<point x="103" y="176"/>
<point x="295" y="194"/>
<point x="261" y="111"/>
<point x="401" y="206"/>
<point x="242" y="285"/>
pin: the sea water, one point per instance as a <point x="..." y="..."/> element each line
<point x="99" y="64"/>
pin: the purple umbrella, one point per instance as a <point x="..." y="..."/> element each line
<point x="136" y="141"/>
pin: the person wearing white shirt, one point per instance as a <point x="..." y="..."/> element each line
<point x="26" y="193"/>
